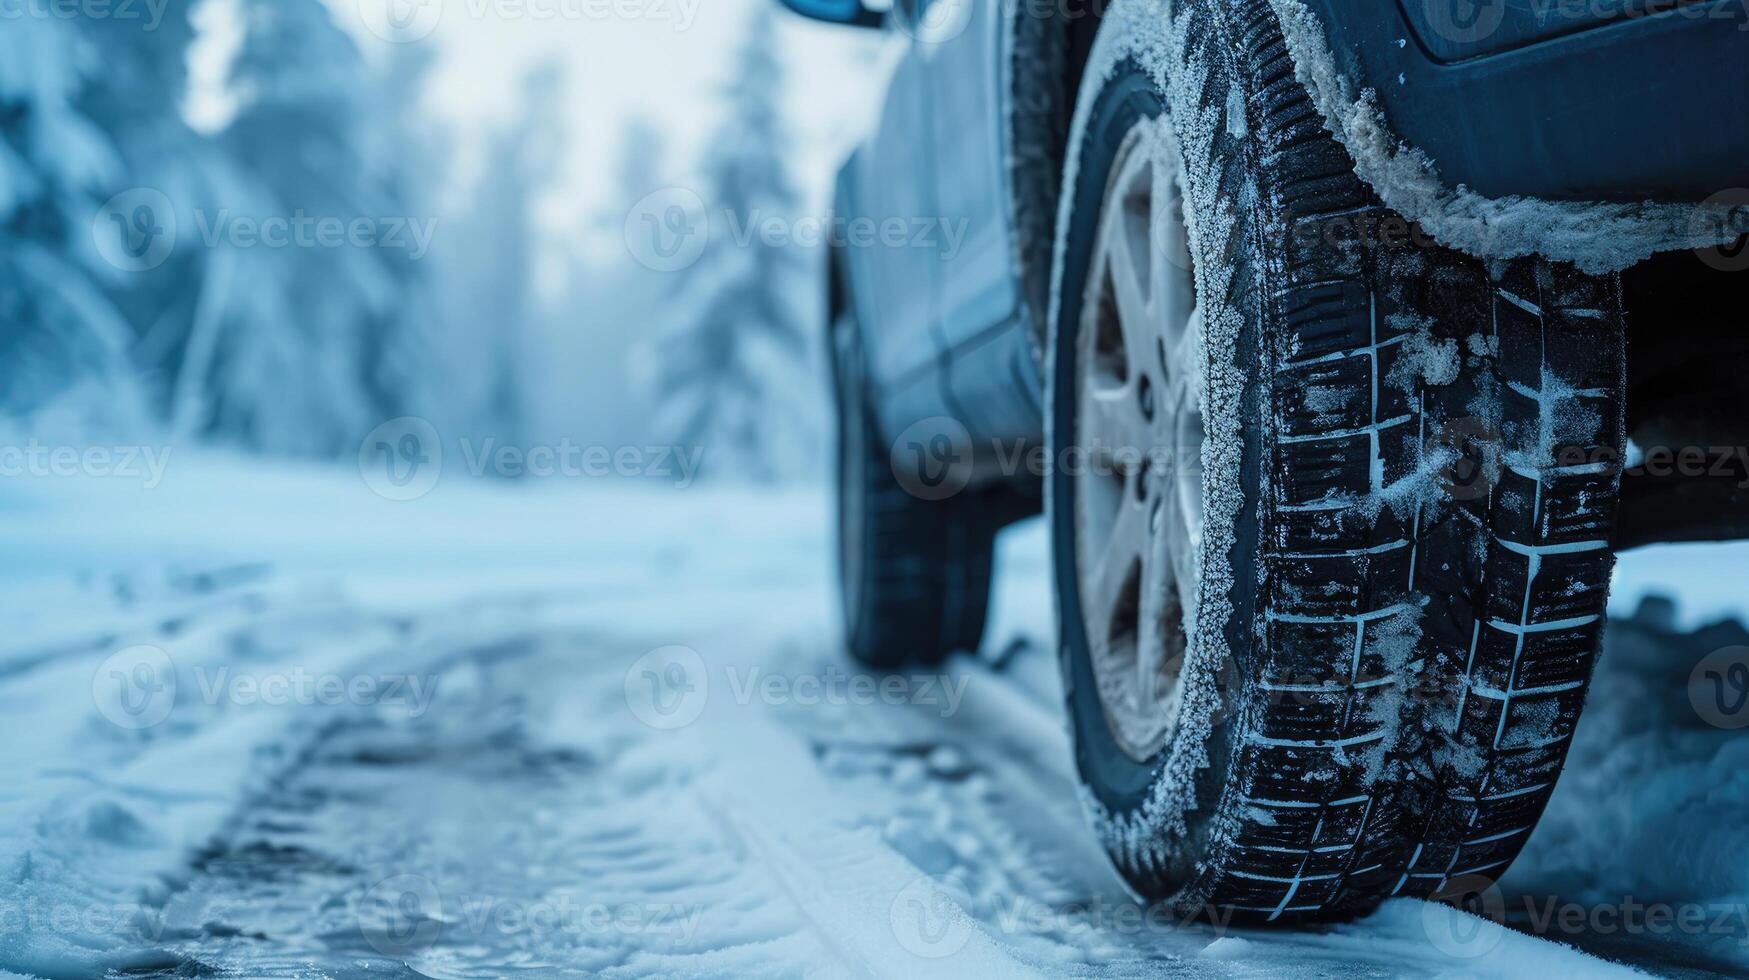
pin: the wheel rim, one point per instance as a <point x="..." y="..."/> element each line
<point x="1139" y="431"/>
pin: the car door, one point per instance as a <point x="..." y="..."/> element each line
<point x="961" y="54"/>
<point x="991" y="377"/>
<point x="894" y="285"/>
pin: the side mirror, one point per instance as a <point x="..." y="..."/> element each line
<point x="853" y="12"/>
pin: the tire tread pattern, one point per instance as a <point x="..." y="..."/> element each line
<point x="1382" y="755"/>
<point x="925" y="564"/>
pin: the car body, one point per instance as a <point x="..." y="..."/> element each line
<point x="1319" y="330"/>
<point x="942" y="325"/>
<point x="1565" y="101"/>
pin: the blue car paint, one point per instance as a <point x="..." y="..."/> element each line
<point x="1559" y="99"/>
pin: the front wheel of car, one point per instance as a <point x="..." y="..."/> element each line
<point x="1331" y="504"/>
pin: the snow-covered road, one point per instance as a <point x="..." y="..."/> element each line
<point x="264" y="723"/>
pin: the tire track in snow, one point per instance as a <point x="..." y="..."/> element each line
<point x="807" y="837"/>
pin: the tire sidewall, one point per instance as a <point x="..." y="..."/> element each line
<point x="1120" y="786"/>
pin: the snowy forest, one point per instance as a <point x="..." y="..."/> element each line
<point x="236" y="227"/>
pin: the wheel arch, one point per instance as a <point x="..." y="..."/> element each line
<point x="1044" y="53"/>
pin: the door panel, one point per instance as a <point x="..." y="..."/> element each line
<point x="990" y="376"/>
<point x="975" y="244"/>
<point x="895" y="286"/>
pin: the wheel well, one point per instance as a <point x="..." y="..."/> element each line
<point x="1686" y="352"/>
<point x="1047" y="54"/>
<point x="837" y="295"/>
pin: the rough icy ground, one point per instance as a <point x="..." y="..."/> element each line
<point x="525" y="802"/>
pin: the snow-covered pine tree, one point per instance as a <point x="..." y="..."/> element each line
<point x="137" y="102"/>
<point x="301" y="330"/>
<point x="63" y="343"/>
<point x="488" y="281"/>
<point x="733" y="372"/>
<point x="404" y="367"/>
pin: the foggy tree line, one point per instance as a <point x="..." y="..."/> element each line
<point x="302" y="350"/>
<point x="230" y="336"/>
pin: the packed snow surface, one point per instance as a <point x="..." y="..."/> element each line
<point x="503" y="797"/>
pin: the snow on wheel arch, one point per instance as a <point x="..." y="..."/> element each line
<point x="1598" y="237"/>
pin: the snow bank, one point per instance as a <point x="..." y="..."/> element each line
<point x="1471" y="946"/>
<point x="1650" y="807"/>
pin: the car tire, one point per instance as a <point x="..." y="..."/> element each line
<point x="913" y="565"/>
<point x="1408" y="469"/>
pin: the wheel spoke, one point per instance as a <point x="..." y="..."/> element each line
<point x="1114" y="433"/>
<point x="1108" y="598"/>
<point x="1131" y="292"/>
<point x="1158" y="583"/>
<point x="1139" y="424"/>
